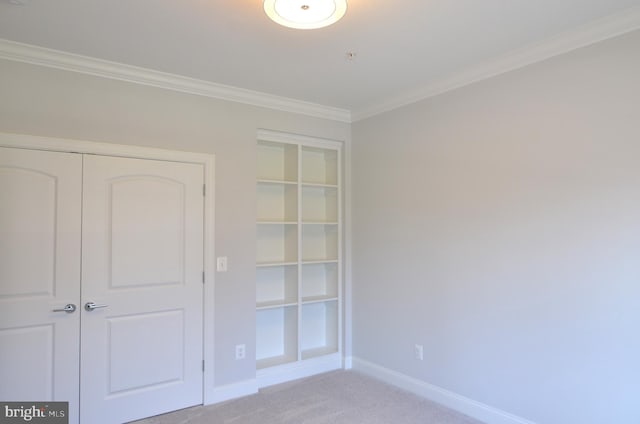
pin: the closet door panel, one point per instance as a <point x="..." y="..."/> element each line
<point x="142" y="266"/>
<point x="40" y="207"/>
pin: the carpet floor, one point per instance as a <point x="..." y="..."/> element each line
<point x="338" y="397"/>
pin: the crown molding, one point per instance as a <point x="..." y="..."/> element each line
<point x="591" y="33"/>
<point x="585" y="35"/>
<point x="50" y="58"/>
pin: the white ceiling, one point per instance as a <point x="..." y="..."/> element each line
<point x="403" y="48"/>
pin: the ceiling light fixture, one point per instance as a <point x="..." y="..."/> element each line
<point x="305" y="14"/>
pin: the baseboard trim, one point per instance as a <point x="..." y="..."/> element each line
<point x="232" y="391"/>
<point x="348" y="362"/>
<point x="296" y="370"/>
<point x="470" y="407"/>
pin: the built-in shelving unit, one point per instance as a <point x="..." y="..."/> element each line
<point x="299" y="265"/>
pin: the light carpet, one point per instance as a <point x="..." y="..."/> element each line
<point x="338" y="397"/>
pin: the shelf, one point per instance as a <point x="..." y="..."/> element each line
<point x="277" y="202"/>
<point x="274" y="264"/>
<point x="325" y="261"/>
<point x="274" y="361"/>
<point x="277" y="162"/>
<point x="319" y="281"/>
<point x="318" y="351"/>
<point x="276" y="286"/>
<point x="261" y="306"/>
<point x="319" y="243"/>
<point x="278" y="182"/>
<point x="276" y="336"/>
<point x="319" y="328"/>
<point x="276" y="243"/>
<point x="298" y="230"/>
<point x="319" y="204"/>
<point x="319" y="166"/>
<point x="315" y="299"/>
<point x="318" y="185"/>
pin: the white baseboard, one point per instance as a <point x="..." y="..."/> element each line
<point x="295" y="370"/>
<point x="348" y="362"/>
<point x="232" y="391"/>
<point x="470" y="407"/>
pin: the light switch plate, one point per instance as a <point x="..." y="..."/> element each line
<point x="221" y="264"/>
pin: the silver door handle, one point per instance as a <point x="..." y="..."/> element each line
<point x="90" y="306"/>
<point x="68" y="308"/>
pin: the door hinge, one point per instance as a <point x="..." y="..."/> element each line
<point x="203" y="365"/>
<point x="202" y="277"/>
<point x="204" y="189"/>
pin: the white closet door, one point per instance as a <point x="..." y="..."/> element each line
<point x="142" y="264"/>
<point x="40" y="205"/>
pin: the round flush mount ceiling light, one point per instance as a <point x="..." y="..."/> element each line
<point x="305" y="14"/>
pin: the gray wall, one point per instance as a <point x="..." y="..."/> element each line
<point x="53" y="103"/>
<point x="499" y="226"/>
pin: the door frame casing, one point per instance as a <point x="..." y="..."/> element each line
<point x="30" y="142"/>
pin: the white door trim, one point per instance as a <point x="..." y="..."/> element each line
<point x="22" y="141"/>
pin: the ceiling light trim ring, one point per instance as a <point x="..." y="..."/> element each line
<point x="305" y="14"/>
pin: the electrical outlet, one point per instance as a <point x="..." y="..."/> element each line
<point x="241" y="351"/>
<point x="419" y="352"/>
